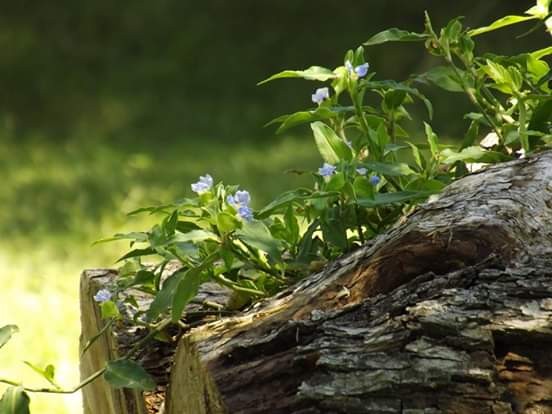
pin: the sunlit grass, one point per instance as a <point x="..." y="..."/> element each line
<point x="58" y="198"/>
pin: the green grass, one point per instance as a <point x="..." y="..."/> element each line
<point x="57" y="198"/>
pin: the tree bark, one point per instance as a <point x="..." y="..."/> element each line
<point x="448" y="312"/>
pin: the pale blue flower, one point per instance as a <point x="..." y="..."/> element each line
<point x="320" y="94"/>
<point x="243" y="197"/>
<point x="361" y="170"/>
<point x="240" y="201"/>
<point x="103" y="295"/>
<point x="374" y="180"/>
<point x="231" y="200"/>
<point x="203" y="185"/>
<point x="360" y="70"/>
<point x="326" y="170"/>
<point x="245" y="213"/>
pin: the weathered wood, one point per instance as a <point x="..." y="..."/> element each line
<point x="449" y="312"/>
<point x="99" y="396"/>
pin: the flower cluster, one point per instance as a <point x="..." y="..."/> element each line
<point x="203" y="185"/>
<point x="240" y="201"/>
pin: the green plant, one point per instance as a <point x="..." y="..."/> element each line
<point x="373" y="172"/>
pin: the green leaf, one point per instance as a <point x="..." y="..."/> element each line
<point x="379" y="137"/>
<point x="391" y="169"/>
<point x="381" y="199"/>
<point x="188" y="284"/>
<point x="169" y="224"/>
<point x="542" y="115"/>
<point x="389" y="148"/>
<point x="6" y="333"/>
<point x="394" y="98"/>
<point x="151" y="210"/>
<point x="124" y="373"/>
<point x="195" y="236"/>
<point x="388" y="84"/>
<point x="307" y="245"/>
<point x="473" y="154"/>
<point x="331" y="147"/>
<point x="283" y="200"/>
<point x="185" y="226"/>
<point x="142" y="277"/>
<point x="538" y="54"/>
<point x="292" y="226"/>
<point x="425" y="185"/>
<point x="432" y="140"/>
<point x="109" y="310"/>
<point x="417" y="155"/>
<point x="164" y="297"/>
<point x="316" y="73"/>
<point x="186" y="290"/>
<point x="395" y="35"/>
<point x="135" y="236"/>
<point x="452" y="30"/>
<point x="15" y="401"/>
<point x="288" y="198"/>
<point x="502" y="22"/>
<point x="185" y="250"/>
<point x="48" y="373"/>
<point x="227" y="222"/>
<point x="471" y="136"/>
<point x="303" y="117"/>
<point x="256" y="234"/>
<point x="336" y="182"/>
<point x="333" y="228"/>
<point x="363" y="188"/>
<point x="137" y="253"/>
<point x="444" y="77"/>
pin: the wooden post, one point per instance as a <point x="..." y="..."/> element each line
<point x="99" y="396"/>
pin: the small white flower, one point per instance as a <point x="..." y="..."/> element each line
<point x="490" y="140"/>
<point x="320" y="94"/>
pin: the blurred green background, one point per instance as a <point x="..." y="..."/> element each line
<point x="109" y="106"/>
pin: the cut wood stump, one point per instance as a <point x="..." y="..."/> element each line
<point x="448" y="312"/>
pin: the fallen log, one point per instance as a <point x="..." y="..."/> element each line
<point x="448" y="312"/>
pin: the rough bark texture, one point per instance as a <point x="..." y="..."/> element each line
<point x="449" y="312"/>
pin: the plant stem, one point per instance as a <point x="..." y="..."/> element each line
<point x="523" y="137"/>
<point x="473" y="98"/>
<point x="359" y="226"/>
<point x="85" y="382"/>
